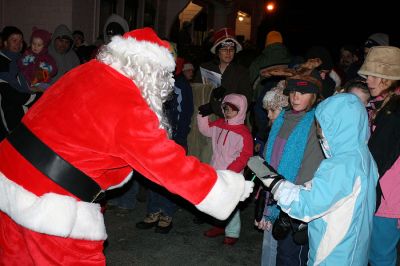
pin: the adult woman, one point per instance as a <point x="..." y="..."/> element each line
<point x="234" y="77"/>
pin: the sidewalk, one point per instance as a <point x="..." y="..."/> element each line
<point x="184" y="245"/>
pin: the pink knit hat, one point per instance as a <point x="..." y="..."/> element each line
<point x="42" y="34"/>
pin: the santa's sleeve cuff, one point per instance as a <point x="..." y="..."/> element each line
<point x="224" y="195"/>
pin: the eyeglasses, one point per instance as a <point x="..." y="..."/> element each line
<point x="227" y="50"/>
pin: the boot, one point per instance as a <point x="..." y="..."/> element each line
<point x="149" y="221"/>
<point x="164" y="225"/>
<point x="214" y="232"/>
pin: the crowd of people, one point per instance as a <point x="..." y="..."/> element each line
<point x="322" y="135"/>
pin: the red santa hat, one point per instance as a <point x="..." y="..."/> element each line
<point x="144" y="45"/>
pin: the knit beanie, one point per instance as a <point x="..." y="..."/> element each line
<point x="42" y="34"/>
<point x="273" y="37"/>
<point x="321" y="53"/>
<point x="377" y="39"/>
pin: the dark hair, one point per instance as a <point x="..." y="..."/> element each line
<point x="356" y="83"/>
<point x="10" y="30"/>
<point x="219" y="46"/>
<point x="78" y="32"/>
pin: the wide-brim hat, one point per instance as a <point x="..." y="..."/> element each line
<point x="382" y="62"/>
<point x="222" y="35"/>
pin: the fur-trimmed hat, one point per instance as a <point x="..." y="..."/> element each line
<point x="143" y="45"/>
<point x="225" y="35"/>
<point x="273" y="37"/>
<point x="275" y="99"/>
<point x="382" y="62"/>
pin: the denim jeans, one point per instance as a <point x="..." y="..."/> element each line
<point x="232" y="229"/>
<point x="158" y="202"/>
<point x="269" y="249"/>
<point x="126" y="197"/>
<point x="384" y="239"/>
<point x="291" y="254"/>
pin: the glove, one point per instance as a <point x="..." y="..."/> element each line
<point x="268" y="176"/>
<point x="248" y="188"/>
<point x="205" y="110"/>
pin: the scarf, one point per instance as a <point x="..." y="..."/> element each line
<point x="292" y="154"/>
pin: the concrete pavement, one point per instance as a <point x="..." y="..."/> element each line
<point x="184" y="245"/>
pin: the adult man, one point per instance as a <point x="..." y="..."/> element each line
<point x="61" y="50"/>
<point x="84" y="136"/>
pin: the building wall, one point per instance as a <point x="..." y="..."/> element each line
<point x="45" y="14"/>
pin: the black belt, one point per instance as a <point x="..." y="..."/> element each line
<point x="53" y="166"/>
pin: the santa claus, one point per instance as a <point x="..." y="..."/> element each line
<point x="84" y="136"/>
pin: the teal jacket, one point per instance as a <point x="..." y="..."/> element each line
<point x="339" y="202"/>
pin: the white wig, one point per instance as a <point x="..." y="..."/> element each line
<point x="154" y="79"/>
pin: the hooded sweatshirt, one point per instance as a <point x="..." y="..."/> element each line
<point x="232" y="142"/>
<point x="65" y="62"/>
<point x="339" y="202"/>
<point x="117" y="19"/>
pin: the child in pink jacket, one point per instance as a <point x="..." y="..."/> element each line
<point x="232" y="146"/>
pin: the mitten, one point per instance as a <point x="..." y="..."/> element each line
<point x="248" y="188"/>
<point x="218" y="93"/>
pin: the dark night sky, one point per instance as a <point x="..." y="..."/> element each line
<point x="331" y="23"/>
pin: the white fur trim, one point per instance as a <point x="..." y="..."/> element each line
<point x="51" y="214"/>
<point x="143" y="51"/>
<point x="224" y="195"/>
<point x="127" y="178"/>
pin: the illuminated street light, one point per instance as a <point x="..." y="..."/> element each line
<point x="270" y="7"/>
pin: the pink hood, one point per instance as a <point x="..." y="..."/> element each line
<point x="240" y="101"/>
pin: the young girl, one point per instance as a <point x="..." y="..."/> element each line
<point x="274" y="101"/>
<point x="292" y="149"/>
<point x="358" y="88"/>
<point x="382" y="69"/>
<point x="36" y="64"/>
<point x="232" y="146"/>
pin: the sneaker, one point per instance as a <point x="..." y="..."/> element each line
<point x="230" y="240"/>
<point x="149" y="221"/>
<point x="164" y="225"/>
<point x="214" y="232"/>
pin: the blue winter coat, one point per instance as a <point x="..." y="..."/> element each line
<point x="339" y="202"/>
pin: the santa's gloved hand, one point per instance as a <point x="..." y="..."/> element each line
<point x="205" y="110"/>
<point x="266" y="173"/>
<point x="248" y="188"/>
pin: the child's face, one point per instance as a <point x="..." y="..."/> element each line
<point x="273" y="114"/>
<point x="37" y="45"/>
<point x="301" y="101"/>
<point x="229" y="113"/>
<point x="360" y="93"/>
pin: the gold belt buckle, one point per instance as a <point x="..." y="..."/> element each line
<point x="99" y="196"/>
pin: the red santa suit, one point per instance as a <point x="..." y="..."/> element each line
<point x="96" y="119"/>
